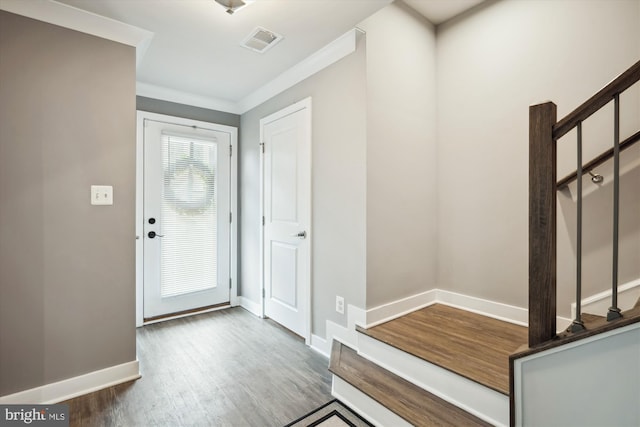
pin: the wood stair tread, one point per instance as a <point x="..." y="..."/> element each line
<point x="412" y="403"/>
<point x="469" y="344"/>
<point x="588" y="317"/>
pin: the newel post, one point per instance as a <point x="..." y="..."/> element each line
<point x="542" y="223"/>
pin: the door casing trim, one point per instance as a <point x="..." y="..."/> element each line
<point x="300" y="105"/>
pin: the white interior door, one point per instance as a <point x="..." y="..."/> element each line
<point x="186" y="216"/>
<point x="286" y="136"/>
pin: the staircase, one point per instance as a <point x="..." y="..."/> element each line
<point x="413" y="404"/>
<point x="443" y="366"/>
<point x="577" y="366"/>
<point x="448" y="367"/>
<point x="435" y="366"/>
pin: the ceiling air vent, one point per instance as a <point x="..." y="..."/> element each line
<point x="260" y="40"/>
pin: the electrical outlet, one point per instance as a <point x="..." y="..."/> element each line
<point x="340" y="304"/>
<point x="102" y="195"/>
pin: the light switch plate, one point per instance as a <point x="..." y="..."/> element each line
<point x="102" y="195"/>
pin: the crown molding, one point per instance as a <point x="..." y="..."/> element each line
<point x="66" y="16"/>
<point x="166" y="94"/>
<point x="331" y="53"/>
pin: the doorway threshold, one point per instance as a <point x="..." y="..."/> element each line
<point x="185" y="313"/>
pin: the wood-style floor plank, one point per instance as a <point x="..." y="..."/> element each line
<point x="471" y="345"/>
<point x="410" y="402"/>
<point x="225" y="368"/>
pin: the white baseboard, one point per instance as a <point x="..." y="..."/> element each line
<point x="321" y="345"/>
<point x="250" y="306"/>
<point x="395" y="309"/>
<point x="599" y="303"/>
<point x="496" y="310"/>
<point x="76" y="386"/>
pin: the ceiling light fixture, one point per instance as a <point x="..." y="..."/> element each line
<point x="234" y="5"/>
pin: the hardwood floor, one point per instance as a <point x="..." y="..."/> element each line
<point x="225" y="368"/>
<point x="471" y="345"/>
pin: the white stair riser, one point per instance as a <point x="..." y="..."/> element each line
<point x="474" y="398"/>
<point x="368" y="408"/>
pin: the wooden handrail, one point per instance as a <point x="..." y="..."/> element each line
<point x="544" y="132"/>
<point x="597" y="161"/>
<point x="597" y="101"/>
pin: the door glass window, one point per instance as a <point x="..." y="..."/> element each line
<point x="189" y="215"/>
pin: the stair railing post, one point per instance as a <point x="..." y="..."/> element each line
<point x="578" y="325"/>
<point x="614" y="311"/>
<point x="542" y="223"/>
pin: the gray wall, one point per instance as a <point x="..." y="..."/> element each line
<point x="67" y="120"/>
<point x="187" y="111"/>
<point x="374" y="154"/>
<point x="492" y="64"/>
<point x="338" y="183"/>
<point x="401" y="155"/>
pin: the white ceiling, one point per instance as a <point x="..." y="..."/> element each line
<point x="196" y="49"/>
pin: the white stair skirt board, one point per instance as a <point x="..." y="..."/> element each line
<point x="468" y="395"/>
<point x="76" y="386"/>
<point x="320" y="345"/>
<point x="366" y="407"/>
<point x="348" y="336"/>
<point x="599" y="303"/>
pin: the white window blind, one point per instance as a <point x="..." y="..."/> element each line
<point x="189" y="215"/>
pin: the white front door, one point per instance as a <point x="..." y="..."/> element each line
<point x="186" y="216"/>
<point x="286" y="136"/>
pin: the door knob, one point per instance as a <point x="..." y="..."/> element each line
<point x="153" y="234"/>
<point x="302" y="235"/>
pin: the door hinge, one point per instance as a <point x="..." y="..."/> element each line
<point x="230" y="217"/>
<point x="230" y="150"/>
<point x="263" y="220"/>
<point x="262" y="147"/>
<point x="262" y="292"/>
<point x="229" y="282"/>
